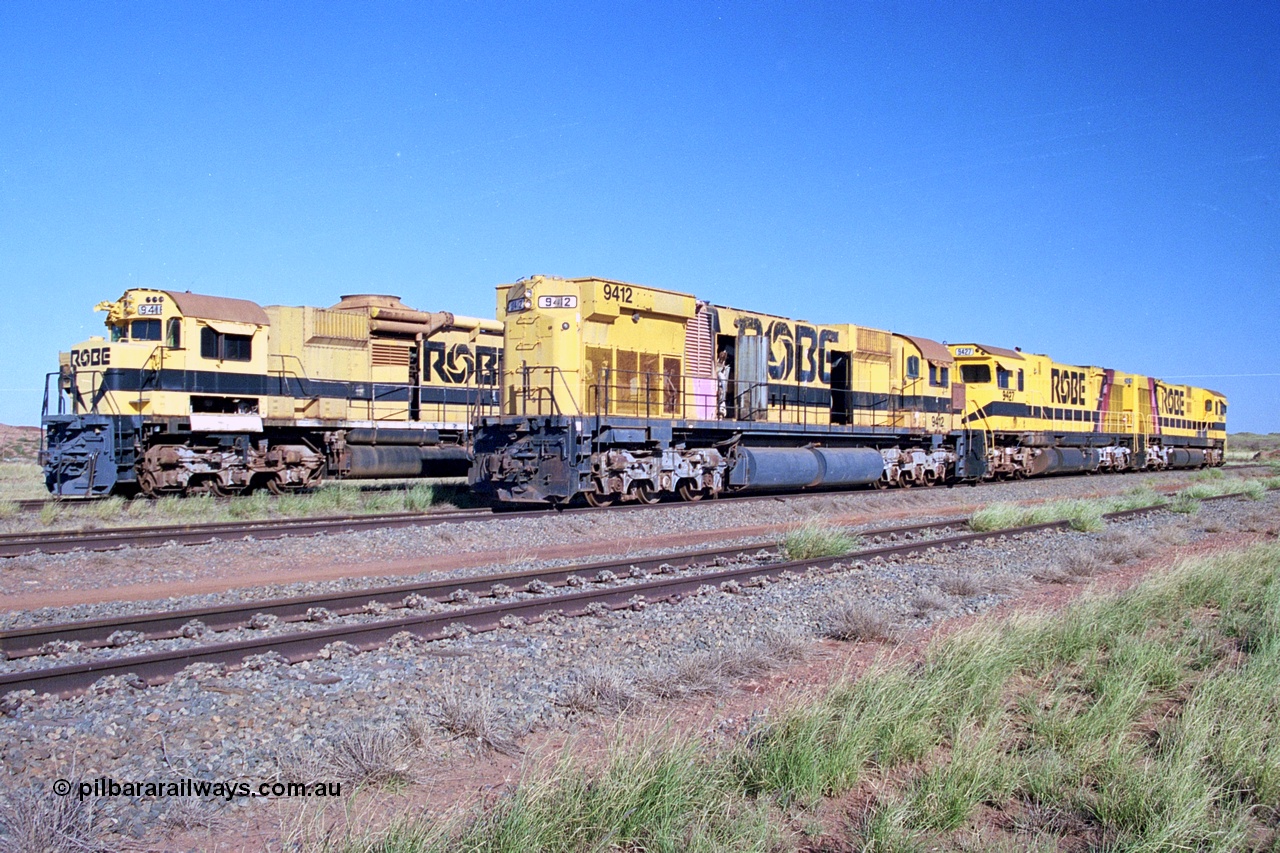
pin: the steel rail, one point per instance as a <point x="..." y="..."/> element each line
<point x="108" y="539"/>
<point x="58" y="542"/>
<point x="162" y="625"/>
<point x="157" y="667"/>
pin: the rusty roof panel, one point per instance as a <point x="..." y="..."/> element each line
<point x="933" y="352"/>
<point x="218" y="308"/>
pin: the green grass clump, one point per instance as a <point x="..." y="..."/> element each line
<point x="22" y="481"/>
<point x="1055" y="712"/>
<point x="649" y="797"/>
<point x="419" y="497"/>
<point x="1084" y="515"/>
<point x="1145" y="720"/>
<point x="813" y="540"/>
<point x="1253" y="490"/>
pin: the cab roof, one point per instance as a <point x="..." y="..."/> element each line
<point x="204" y="307"/>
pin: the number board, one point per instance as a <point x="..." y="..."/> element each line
<point x="964" y="350"/>
<point x="557" y="302"/>
<point x="151" y="309"/>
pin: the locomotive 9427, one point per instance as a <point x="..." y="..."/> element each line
<point x="614" y="391"/>
<point x="203" y="394"/>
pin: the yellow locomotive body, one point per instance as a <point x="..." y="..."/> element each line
<point x="618" y="391"/>
<point x="196" y="393"/>
<point x="1039" y="416"/>
<point x="641" y="392"/>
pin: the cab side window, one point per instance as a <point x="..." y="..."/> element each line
<point x="913" y="367"/>
<point x="1002" y="377"/>
<point x="218" y="345"/>
<point x="208" y="343"/>
<point x="939" y="377"/>
<point x="173" y="333"/>
<point x="237" y="347"/>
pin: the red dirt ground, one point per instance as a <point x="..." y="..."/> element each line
<point x="469" y="780"/>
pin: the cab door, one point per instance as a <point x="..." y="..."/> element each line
<point x="957" y="398"/>
<point x="751" y="377"/>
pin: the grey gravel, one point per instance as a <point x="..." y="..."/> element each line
<point x="213" y="723"/>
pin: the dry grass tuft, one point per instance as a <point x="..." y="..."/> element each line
<point x="709" y="673"/>
<point x="474" y="716"/>
<point x="926" y="602"/>
<point x="375" y="756"/>
<point x="1175" y="535"/>
<point x="600" y="688"/>
<point x="963" y="586"/>
<point x="1079" y="566"/>
<point x="1122" y="547"/>
<point x="849" y="621"/>
<point x="37" y="820"/>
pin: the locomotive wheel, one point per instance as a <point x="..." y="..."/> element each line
<point x="880" y="484"/>
<point x="644" y="494"/>
<point x="598" y="499"/>
<point x="275" y="487"/>
<point x="147" y="484"/>
<point x="689" y="491"/>
<point x="930" y="477"/>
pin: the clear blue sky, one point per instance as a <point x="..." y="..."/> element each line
<point x="1095" y="181"/>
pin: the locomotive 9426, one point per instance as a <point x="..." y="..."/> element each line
<point x="614" y="391"/>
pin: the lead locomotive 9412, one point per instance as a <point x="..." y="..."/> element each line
<point x="202" y="394"/>
<point x="614" y="391"/>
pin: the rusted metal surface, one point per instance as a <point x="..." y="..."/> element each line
<point x="25" y="642"/>
<point x="157" y="667"/>
<point x="17" y="544"/>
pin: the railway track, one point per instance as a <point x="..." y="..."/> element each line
<point x="157" y="667"/>
<point x="109" y="539"/>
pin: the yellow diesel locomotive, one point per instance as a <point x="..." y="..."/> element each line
<point x="614" y="391"/>
<point x="190" y="393"/>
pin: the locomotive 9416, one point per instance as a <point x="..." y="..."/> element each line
<point x="202" y="394"/>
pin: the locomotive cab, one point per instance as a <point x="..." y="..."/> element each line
<point x="114" y="392"/>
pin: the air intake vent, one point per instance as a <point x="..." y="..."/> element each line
<point x="390" y="355"/>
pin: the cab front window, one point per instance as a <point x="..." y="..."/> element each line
<point x="119" y="333"/>
<point x="975" y="374"/>
<point x="146" y="330"/>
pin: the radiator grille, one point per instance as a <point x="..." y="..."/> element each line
<point x="697" y="345"/>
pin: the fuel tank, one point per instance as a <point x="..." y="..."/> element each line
<point x="372" y="462"/>
<point x="1065" y="460"/>
<point x="805" y="467"/>
<point x="1180" y="457"/>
